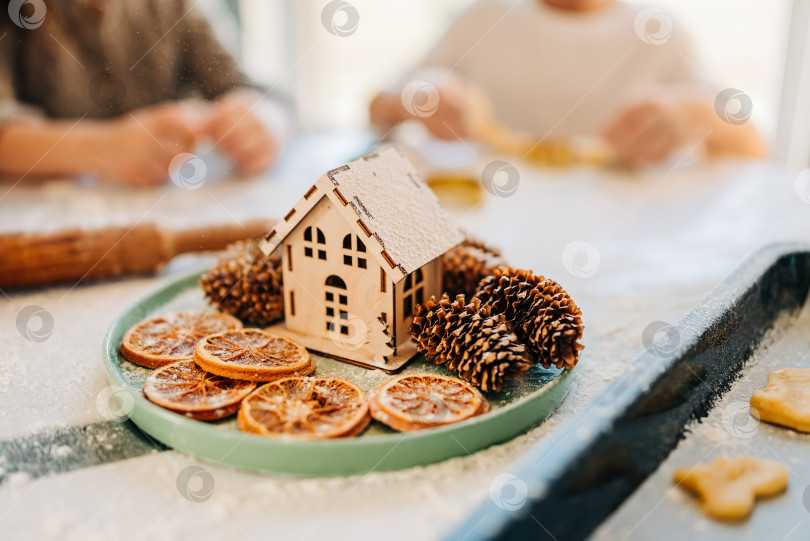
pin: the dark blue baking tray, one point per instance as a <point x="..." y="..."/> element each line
<point x="569" y="483"/>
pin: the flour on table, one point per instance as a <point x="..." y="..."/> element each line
<point x="663" y="246"/>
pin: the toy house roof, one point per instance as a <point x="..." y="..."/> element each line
<point x="387" y="203"/>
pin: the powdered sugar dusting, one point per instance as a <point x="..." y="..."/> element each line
<point x="390" y="196"/>
<point x="663" y="246"/>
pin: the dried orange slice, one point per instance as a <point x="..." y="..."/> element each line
<point x="252" y="354"/>
<point x="312" y="408"/>
<point x="416" y="401"/>
<point x="185" y="388"/>
<point x="161" y="340"/>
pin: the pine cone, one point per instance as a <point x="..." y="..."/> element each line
<point x="539" y="311"/>
<point x="246" y="284"/>
<point x="467" y="264"/>
<point x="468" y="340"/>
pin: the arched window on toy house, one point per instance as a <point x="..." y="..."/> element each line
<point x="336" y="301"/>
<point x="318" y="243"/>
<point x="354" y="251"/>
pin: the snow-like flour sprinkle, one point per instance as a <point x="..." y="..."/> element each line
<point x="664" y="240"/>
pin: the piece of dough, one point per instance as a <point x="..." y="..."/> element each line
<point x="786" y="399"/>
<point x="728" y="487"/>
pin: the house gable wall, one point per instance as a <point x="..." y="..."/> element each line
<point x="305" y="278"/>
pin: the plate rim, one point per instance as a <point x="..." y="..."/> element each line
<point x="143" y="411"/>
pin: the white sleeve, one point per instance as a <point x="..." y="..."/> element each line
<point x="684" y="64"/>
<point x="465" y="32"/>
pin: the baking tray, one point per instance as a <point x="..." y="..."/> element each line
<point x="568" y="484"/>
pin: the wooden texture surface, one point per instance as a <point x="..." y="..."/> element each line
<point x="36" y="259"/>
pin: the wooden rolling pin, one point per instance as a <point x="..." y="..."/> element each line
<point x="37" y="259"/>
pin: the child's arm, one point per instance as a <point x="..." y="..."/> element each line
<point x="47" y="148"/>
<point x="724" y="137"/>
<point x="652" y="130"/>
<point x="133" y="149"/>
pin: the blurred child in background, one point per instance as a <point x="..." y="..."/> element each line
<point x="106" y="87"/>
<point x="565" y="68"/>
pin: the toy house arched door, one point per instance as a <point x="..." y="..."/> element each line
<point x="336" y="302"/>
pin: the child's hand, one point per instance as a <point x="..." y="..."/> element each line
<point x="238" y="132"/>
<point x="137" y="148"/>
<point x="439" y="100"/>
<point x="650" y="132"/>
<point x="450" y="119"/>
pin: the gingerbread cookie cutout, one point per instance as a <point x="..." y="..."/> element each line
<point x="728" y="487"/>
<point x="786" y="399"/>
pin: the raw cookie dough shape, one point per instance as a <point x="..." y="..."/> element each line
<point x="786" y="399"/>
<point x="728" y="487"/>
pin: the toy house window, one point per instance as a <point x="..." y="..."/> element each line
<point x="336" y="305"/>
<point x="353" y="248"/>
<point x="316" y="243"/>
<point x="411" y="297"/>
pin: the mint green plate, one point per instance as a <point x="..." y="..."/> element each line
<point x="520" y="405"/>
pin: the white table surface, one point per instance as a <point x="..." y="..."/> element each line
<point x="664" y="238"/>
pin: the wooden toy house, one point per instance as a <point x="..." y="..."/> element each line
<point x="359" y="251"/>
